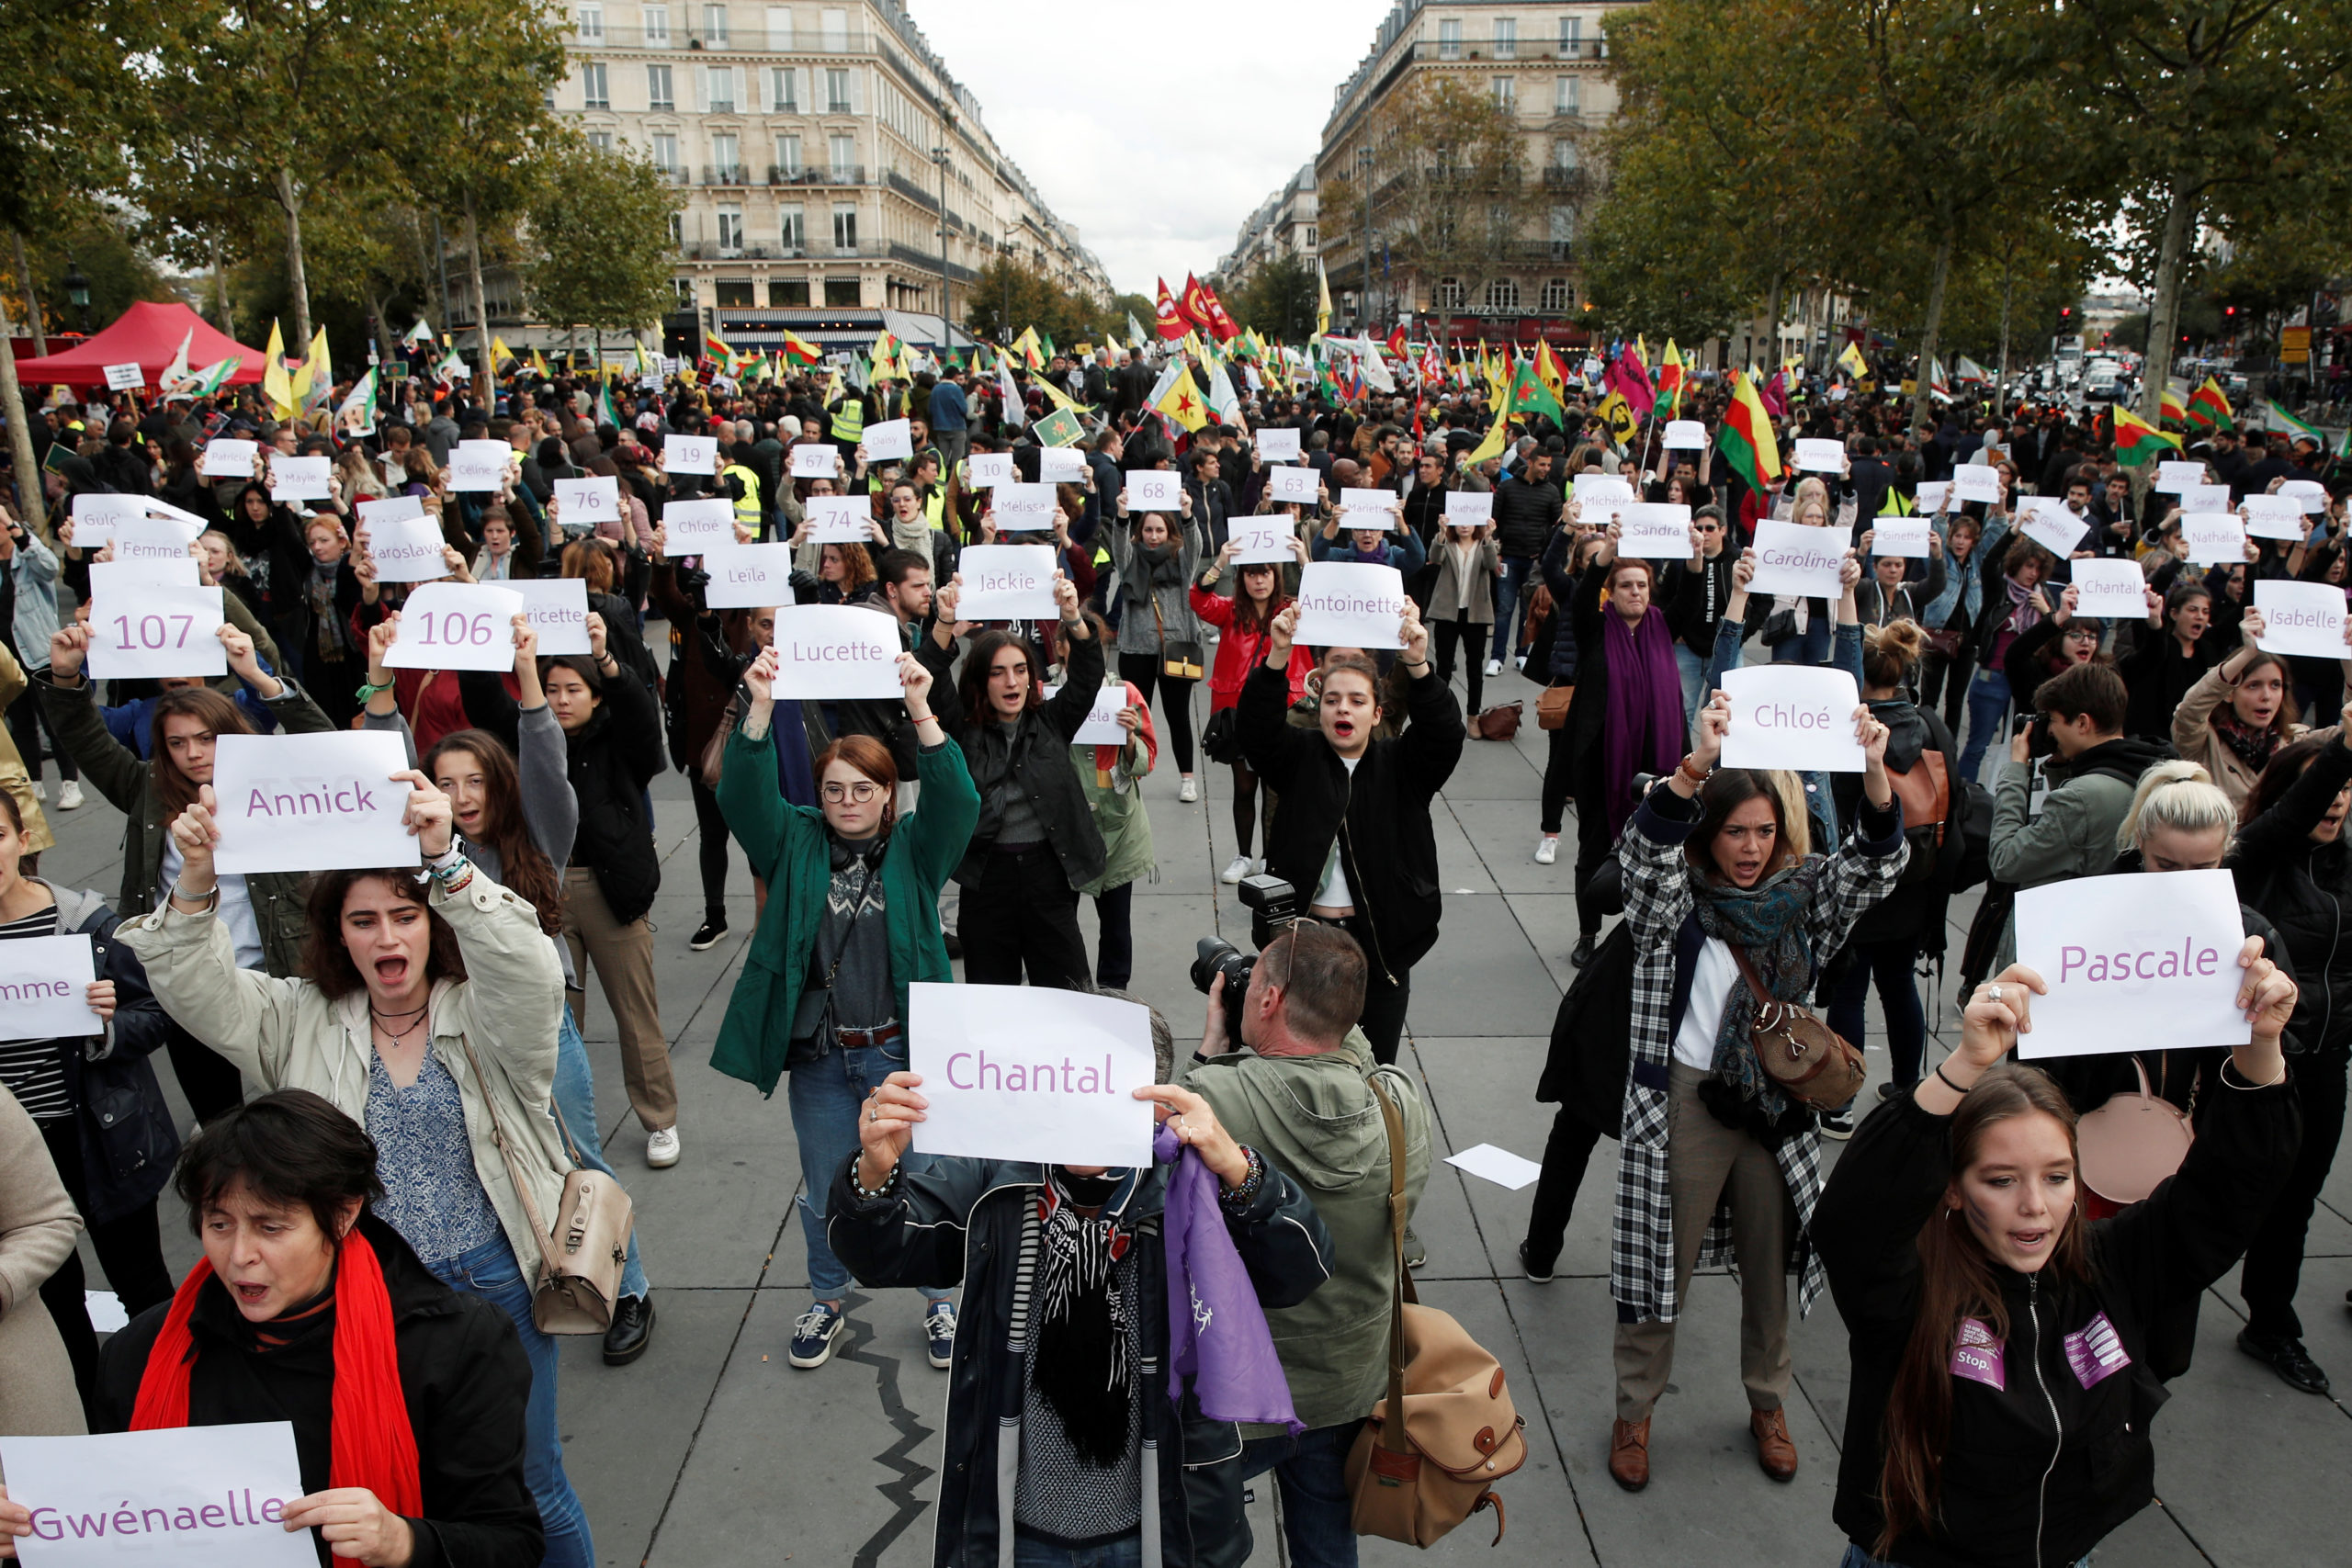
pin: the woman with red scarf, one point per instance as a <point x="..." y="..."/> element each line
<point x="406" y="1397"/>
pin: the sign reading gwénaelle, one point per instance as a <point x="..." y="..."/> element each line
<point x="1031" y="1074"/>
<point x="2134" y="962"/>
<point x="1791" y="716"/>
<point x="311" y="802"/>
<point x="187" y="1497"/>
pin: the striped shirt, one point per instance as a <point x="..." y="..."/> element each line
<point x="34" y="1070"/>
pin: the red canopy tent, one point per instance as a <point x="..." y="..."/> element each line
<point x="148" y="334"/>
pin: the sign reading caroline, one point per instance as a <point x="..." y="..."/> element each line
<point x="1032" y="1074"/>
<point x="187" y="1497"/>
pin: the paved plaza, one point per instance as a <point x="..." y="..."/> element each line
<point x="713" y="1450"/>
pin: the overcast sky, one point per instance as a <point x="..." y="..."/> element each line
<point x="1155" y="128"/>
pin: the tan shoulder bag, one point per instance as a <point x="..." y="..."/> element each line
<point x="1413" y="1479"/>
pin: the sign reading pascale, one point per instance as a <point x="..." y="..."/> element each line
<point x="1793" y="558"/>
<point x="312" y="802"/>
<point x="2300" y="617"/>
<point x="1791" y="716"/>
<point x="748" y="577"/>
<point x="1350" y="604"/>
<point x="1031" y="1074"/>
<point x="1006" y="583"/>
<point x="827" y="653"/>
<point x="2144" y="961"/>
<point x="456" y="626"/>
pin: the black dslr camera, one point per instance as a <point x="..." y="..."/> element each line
<point x="1273" y="903"/>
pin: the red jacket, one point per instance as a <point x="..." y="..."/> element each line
<point x="1237" y="651"/>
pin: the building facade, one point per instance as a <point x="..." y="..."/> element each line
<point x="1284" y="225"/>
<point x="816" y="148"/>
<point x="1546" y="66"/>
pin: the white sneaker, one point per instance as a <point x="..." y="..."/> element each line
<point x="1191" y="792"/>
<point x="1547" y="849"/>
<point x="661" y="1149"/>
<point x="1494" y="666"/>
<point x="40" y="790"/>
<point x="69" y="797"/>
<point x="1519" y="662"/>
<point x="1237" y="871"/>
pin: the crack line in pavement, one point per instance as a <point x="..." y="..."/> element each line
<point x="899" y="1456"/>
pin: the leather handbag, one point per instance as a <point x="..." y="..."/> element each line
<point x="1182" y="659"/>
<point x="714" y="751"/>
<point x="1221" y="736"/>
<point x="1429" y="1456"/>
<point x="579" y="1277"/>
<point x="1947" y="644"/>
<point x="2129" y="1146"/>
<point x="1552" y="708"/>
<point x="1500" y="722"/>
<point x="1810" y="1062"/>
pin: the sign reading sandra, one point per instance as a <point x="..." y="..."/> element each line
<point x="311" y="802"/>
<point x="1031" y="1074"/>
<point x="183" y="1496"/>
<point x="2134" y="962"/>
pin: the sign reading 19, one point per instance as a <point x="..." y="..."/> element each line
<point x="152" y="631"/>
<point x="452" y="629"/>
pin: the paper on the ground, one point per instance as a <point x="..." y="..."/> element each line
<point x="2214" y="538"/>
<point x="2309" y="494"/>
<point x="127" y="377"/>
<point x="1024" y="508"/>
<point x="226" y="458"/>
<point x="1975" y="481"/>
<point x="827" y="653"/>
<point x="1154" y="489"/>
<point x="1816" y="455"/>
<point x="45" y="988"/>
<point x="1025" y="1073"/>
<point x="1499" y="1166"/>
<point x="479" y="465"/>
<point x="1061" y="465"/>
<point x="2055" y="529"/>
<point x="2300" y="617"/>
<point x="1006" y="583"/>
<point x="1906" y="536"/>
<point x="1791" y="716"/>
<point x="1656" y="530"/>
<point x="311" y="802"/>
<point x="1930" y="499"/>
<point x="2135" y="962"/>
<point x="1590" y="488"/>
<point x="173" y="1497"/>
<point x="1469" y="508"/>
<point x="838" y="519"/>
<point x="108" y="578"/>
<point x="558" y="610"/>
<point x="106" y="1310"/>
<point x="690" y="454"/>
<point x="148" y="632"/>
<point x="747" y="577"/>
<point x="299" y="478"/>
<point x="2272" y="517"/>
<point x="1278" y="446"/>
<point x="1793" y="558"/>
<point x="1350" y="604"/>
<point x="596" y="499"/>
<point x="2112" y="589"/>
<point x="888" y="440"/>
<point x="406" y="549"/>
<point x="699" y="525"/>
<point x="1686" y="434"/>
<point x="2174" y="477"/>
<point x="816" y="460"/>
<point x="456" y="626"/>
<point x="1256" y="540"/>
<point x="1293" y="486"/>
<point x="985" y="470"/>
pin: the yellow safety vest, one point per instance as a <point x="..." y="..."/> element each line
<point x="747" y="509"/>
<point x="849" y="419"/>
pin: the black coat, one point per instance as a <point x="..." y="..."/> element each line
<point x="1379" y="815"/>
<point x="1526" y="511"/>
<point x="128" y="1144"/>
<point x="1038" y="753"/>
<point x="2302" y="888"/>
<point x="613" y="760"/>
<point x="462" y="1370"/>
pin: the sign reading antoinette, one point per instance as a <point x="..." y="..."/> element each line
<point x="1032" y="1074"/>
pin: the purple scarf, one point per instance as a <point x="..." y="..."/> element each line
<point x="1642" y="730"/>
<point x="1216" y="1331"/>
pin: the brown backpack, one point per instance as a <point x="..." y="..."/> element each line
<point x="1925" y="793"/>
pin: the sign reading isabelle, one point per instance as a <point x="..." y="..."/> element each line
<point x="1030" y="1074"/>
<point x="1348" y="604"/>
<point x="1793" y="558"/>
<point x="311" y="802"/>
<point x="2138" y="961"/>
<point x="187" y="1497"/>
<point x="829" y="651"/>
<point x="2300" y="617"/>
<point x="1791" y="716"/>
<point x="1006" y="583"/>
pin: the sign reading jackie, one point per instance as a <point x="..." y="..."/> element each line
<point x="311" y="802"/>
<point x="1006" y="583"/>
<point x="1791" y="716"/>
<point x="1027" y="1074"/>
<point x="182" y="1496"/>
<point x="1278" y="446"/>
<point x="2134" y="962"/>
<point x="1793" y="558"/>
<point x="456" y="626"/>
<point x="826" y="652"/>
<point x="1350" y="604"/>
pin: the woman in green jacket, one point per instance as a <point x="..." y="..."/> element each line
<point x="1111" y="778"/>
<point x="851" y="919"/>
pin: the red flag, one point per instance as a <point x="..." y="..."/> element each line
<point x="1629" y="378"/>
<point x="1168" y="321"/>
<point x="1775" y="395"/>
<point x="1193" y="307"/>
<point x="1397" y="343"/>
<point x="1221" y="324"/>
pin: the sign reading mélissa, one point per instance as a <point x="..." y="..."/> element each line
<point x="1350" y="604"/>
<point x="311" y="802"/>
<point x="185" y="1496"/>
<point x="1791" y="716"/>
<point x="1028" y="1074"/>
<point x="2134" y="962"/>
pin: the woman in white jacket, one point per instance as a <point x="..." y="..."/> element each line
<point x="427" y="1002"/>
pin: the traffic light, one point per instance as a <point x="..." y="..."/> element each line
<point x="2065" y="312"/>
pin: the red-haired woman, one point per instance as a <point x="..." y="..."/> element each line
<point x="1257" y="598"/>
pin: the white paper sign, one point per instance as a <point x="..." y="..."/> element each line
<point x="2112" y="589"/>
<point x="2207" y="498"/>
<point x="2272" y="517"/>
<point x="2300" y="617"/>
<point x="1024" y="508"/>
<point x="1368" y="509"/>
<point x="152" y="540"/>
<point x="391" y="509"/>
<point x="479" y="465"/>
<point x="45" y="988"/>
<point x="2174" y="477"/>
<point x="1975" y="481"/>
<point x="151" y="631"/>
<point x="1256" y="540"/>
<point x="1791" y="716"/>
<point x="456" y="626"/>
<point x="1293" y="486"/>
<point x="840" y="519"/>
<point x="690" y="454"/>
<point x="2055" y="529"/>
<point x="1469" y="508"/>
<point x="96" y="517"/>
<point x="227" y="459"/>
<point x="1817" y="454"/>
<point x="2309" y="494"/>
<point x="1793" y="558"/>
<point x="1590" y="488"/>
<point x="1278" y="446"/>
<point x="889" y="438"/>
<point x="1350" y="604"/>
<point x="699" y="524"/>
<point x="1101" y="726"/>
<point x="109" y="578"/>
<point x="747" y="577"/>
<point x="1026" y="1074"/>
<point x="2213" y="538"/>
<point x="596" y="499"/>
<point x="1686" y="434"/>
<point x="1155" y="489"/>
<point x="192" y="1498"/>
<point x="1499" y="1166"/>
<point x="1906" y="536"/>
<point x="311" y="802"/>
<point x="2142" y="961"/>
<point x="1656" y="530"/>
<point x="986" y="470"/>
<point x="1006" y="583"/>
<point x="831" y="652"/>
<point x="299" y="478"/>
<point x="1061" y="465"/>
<point x="406" y="549"/>
<point x="558" y="610"/>
<point x="125" y="377"/>
<point x="816" y="460"/>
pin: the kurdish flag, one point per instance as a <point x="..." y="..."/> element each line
<point x="2208" y="407"/>
<point x="1850" y="360"/>
<point x="715" y="348"/>
<point x="1529" y="393"/>
<point x="214" y="377"/>
<point x="798" y="349"/>
<point x="1673" y="378"/>
<point x="1745" y="439"/>
<point x="2175" y="407"/>
<point x="2137" y="441"/>
<point x="2297" y="429"/>
<point x="275" y="385"/>
<point x="606" y="412"/>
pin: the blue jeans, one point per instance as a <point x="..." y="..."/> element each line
<point x="575" y="1110"/>
<point x="490" y="1272"/>
<point x="1810" y="645"/>
<point x="1988" y="699"/>
<point x="826" y="1096"/>
<point x="1694" y="683"/>
<point x="1889" y="965"/>
<point x="1311" y="1471"/>
<point x="1508" y="589"/>
<point x="1032" y="1551"/>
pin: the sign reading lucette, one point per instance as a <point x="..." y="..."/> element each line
<point x="311" y="802"/>
<point x="826" y="652"/>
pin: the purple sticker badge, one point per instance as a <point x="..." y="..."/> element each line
<point x="2095" y="1351"/>
<point x="1977" y="1355"/>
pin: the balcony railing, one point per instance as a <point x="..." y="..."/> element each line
<point x="752" y="40"/>
<point x="912" y="191"/>
<point x="872" y="250"/>
<point x="818" y="175"/>
<point x="725" y="174"/>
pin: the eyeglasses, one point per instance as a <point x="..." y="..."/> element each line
<point x="862" y="792"/>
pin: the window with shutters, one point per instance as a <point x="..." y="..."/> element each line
<point x="1449" y="295"/>
<point x="588" y="23"/>
<point x="658" y="94"/>
<point x="718" y="88"/>
<point x="593" y="93"/>
<point x="779" y="26"/>
<point x="784" y="89"/>
<point x="730" y="232"/>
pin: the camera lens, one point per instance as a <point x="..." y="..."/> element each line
<point x="1212" y="955"/>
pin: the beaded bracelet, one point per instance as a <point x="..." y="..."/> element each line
<point x="869" y="1195"/>
<point x="1241" y="1197"/>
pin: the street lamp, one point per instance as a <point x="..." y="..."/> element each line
<point x="946" y="334"/>
<point x="77" y="291"/>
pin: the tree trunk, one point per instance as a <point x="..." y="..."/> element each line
<point x="297" y="281"/>
<point x="220" y="290"/>
<point x="1772" y="319"/>
<point x="2001" y="377"/>
<point x="2163" y="308"/>
<point x="1923" y="396"/>
<point x="30" y="496"/>
<point x="32" y="302"/>
<point x="485" y="389"/>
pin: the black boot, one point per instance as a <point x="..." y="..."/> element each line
<point x="631" y="1330"/>
<point x="1582" y="954"/>
<point x="2287" y="1357"/>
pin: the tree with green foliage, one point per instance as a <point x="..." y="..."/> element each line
<point x="1278" y="300"/>
<point x="597" y="242"/>
<point x="1449" y="176"/>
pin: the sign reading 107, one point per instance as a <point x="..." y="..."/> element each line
<point x="152" y="631"/>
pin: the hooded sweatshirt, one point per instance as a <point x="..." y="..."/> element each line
<point x="2075" y="834"/>
<point x="1315" y="1120"/>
